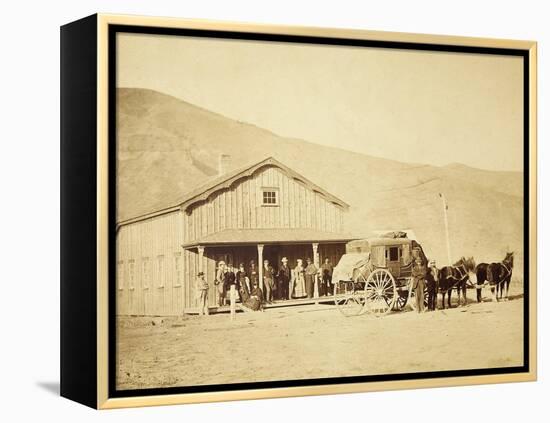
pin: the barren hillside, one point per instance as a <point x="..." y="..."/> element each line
<point x="166" y="147"/>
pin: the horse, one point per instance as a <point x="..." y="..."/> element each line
<point x="481" y="277"/>
<point x="499" y="276"/>
<point x="455" y="276"/>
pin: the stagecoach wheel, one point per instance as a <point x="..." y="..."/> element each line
<point x="401" y="300"/>
<point x="347" y="299"/>
<point x="380" y="292"/>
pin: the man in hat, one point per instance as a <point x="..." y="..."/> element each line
<point x="243" y="282"/>
<point x="326" y="277"/>
<point x="269" y="283"/>
<point x="283" y="280"/>
<point x="253" y="273"/>
<point x="311" y="273"/>
<point x="419" y="283"/>
<point x="432" y="279"/>
<point x="201" y="288"/>
<point x="230" y="278"/>
<point x="220" y="283"/>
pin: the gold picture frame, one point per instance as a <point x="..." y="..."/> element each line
<point x="88" y="42"/>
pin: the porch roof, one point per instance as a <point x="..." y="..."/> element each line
<point x="268" y="236"/>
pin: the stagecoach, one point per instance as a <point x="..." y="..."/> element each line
<point x="374" y="275"/>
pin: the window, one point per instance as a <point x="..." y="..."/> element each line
<point x="131" y="273"/>
<point x="270" y="197"/>
<point x="160" y="272"/>
<point x="120" y="274"/>
<point x="145" y="272"/>
<point x="177" y="268"/>
<point x="393" y="254"/>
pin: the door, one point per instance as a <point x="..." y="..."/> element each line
<point x="393" y="260"/>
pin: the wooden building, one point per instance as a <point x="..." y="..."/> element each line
<point x="263" y="211"/>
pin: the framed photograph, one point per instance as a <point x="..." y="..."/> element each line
<point x="256" y="211"/>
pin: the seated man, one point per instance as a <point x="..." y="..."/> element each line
<point x="254" y="301"/>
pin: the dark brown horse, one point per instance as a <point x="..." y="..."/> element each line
<point x="481" y="277"/>
<point x="455" y="276"/>
<point x="499" y="276"/>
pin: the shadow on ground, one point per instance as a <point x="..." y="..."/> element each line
<point x="51" y="387"/>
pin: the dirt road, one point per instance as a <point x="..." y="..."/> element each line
<point x="315" y="341"/>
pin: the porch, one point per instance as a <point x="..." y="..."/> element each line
<point x="326" y="300"/>
<point x="246" y="245"/>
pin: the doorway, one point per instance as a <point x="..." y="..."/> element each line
<point x="273" y="254"/>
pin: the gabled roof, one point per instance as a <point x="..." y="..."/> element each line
<point x="225" y="181"/>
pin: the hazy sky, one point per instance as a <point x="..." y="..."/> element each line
<point x="422" y="107"/>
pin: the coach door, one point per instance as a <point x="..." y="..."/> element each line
<point x="393" y="260"/>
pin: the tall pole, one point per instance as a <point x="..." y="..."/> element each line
<point x="445" y="207"/>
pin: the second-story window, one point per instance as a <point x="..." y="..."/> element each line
<point x="270" y="197"/>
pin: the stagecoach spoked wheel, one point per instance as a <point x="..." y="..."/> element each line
<point x="401" y="300"/>
<point x="348" y="299"/>
<point x="380" y="292"/>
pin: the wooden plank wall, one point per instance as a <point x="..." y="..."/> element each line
<point x="240" y="207"/>
<point x="331" y="251"/>
<point x="157" y="276"/>
<point x="151" y="264"/>
<point x="158" y="292"/>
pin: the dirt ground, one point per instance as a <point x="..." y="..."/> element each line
<point x="315" y="342"/>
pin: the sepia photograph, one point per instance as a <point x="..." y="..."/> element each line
<point x="292" y="211"/>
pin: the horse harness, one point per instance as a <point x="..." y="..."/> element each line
<point x="508" y="273"/>
<point x="463" y="274"/>
<point x="508" y="270"/>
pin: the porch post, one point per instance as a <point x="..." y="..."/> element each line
<point x="315" y="246"/>
<point x="261" y="266"/>
<point x="200" y="250"/>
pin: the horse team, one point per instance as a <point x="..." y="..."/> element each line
<point x="497" y="275"/>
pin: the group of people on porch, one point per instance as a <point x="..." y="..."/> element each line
<point x="281" y="284"/>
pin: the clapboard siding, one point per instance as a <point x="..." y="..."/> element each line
<point x="240" y="207"/>
<point x="150" y="256"/>
<point x="149" y="250"/>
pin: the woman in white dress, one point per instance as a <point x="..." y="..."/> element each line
<point x="298" y="280"/>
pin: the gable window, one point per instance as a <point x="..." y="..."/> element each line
<point x="270" y="197"/>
